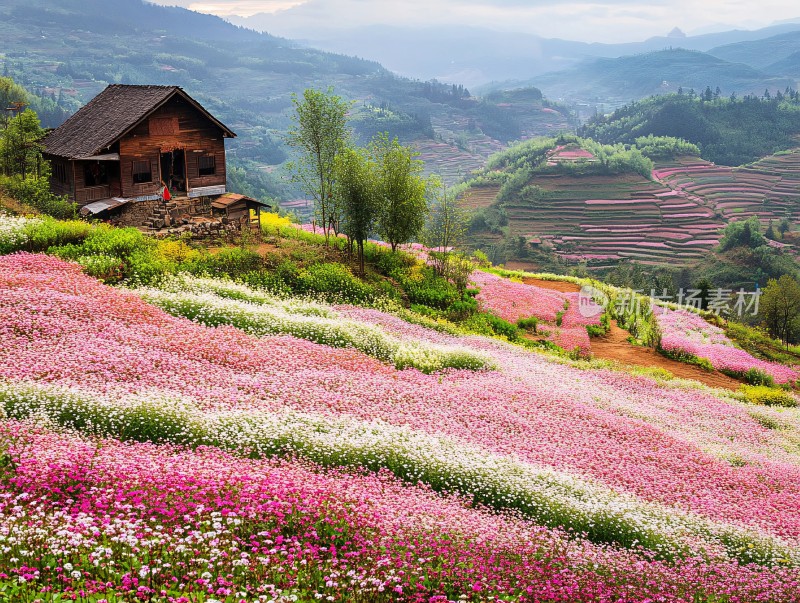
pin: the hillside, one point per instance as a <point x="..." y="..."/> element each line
<point x="761" y="54"/>
<point x="208" y="434"/>
<point x="615" y="80"/>
<point x="788" y="66"/>
<point x="573" y="207"/>
<point x="69" y="50"/>
<point x="728" y="131"/>
<point x="553" y="204"/>
<point x="767" y="188"/>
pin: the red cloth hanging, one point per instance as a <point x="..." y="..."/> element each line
<point x="166" y="194"/>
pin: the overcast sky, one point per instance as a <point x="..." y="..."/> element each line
<point x="584" y="20"/>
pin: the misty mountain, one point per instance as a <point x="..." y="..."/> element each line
<point x="632" y="77"/>
<point x="789" y="66"/>
<point x="762" y="54"/>
<point x="69" y="50"/>
<point x="476" y="56"/>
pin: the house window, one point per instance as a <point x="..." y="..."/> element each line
<point x="95" y="174"/>
<point x="207" y="165"/>
<point x="142" y="172"/>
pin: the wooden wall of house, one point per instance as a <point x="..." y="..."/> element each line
<point x="212" y="147"/>
<point x="61" y="176"/>
<point x="176" y="125"/>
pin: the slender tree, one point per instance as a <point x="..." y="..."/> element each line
<point x="780" y="306"/>
<point x="10" y="94"/>
<point x="402" y="191"/>
<point x="319" y="132"/>
<point x="446" y="227"/>
<point x="357" y="195"/>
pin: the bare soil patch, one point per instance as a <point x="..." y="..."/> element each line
<point x="562" y="286"/>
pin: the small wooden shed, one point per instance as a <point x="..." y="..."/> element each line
<point x="239" y="208"/>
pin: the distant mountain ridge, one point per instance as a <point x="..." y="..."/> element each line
<point x="475" y="56"/>
<point x="661" y="72"/>
<point x="761" y="54"/>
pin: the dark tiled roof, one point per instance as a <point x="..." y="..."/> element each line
<point x="108" y="116"/>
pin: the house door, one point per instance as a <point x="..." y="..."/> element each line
<point x="173" y="170"/>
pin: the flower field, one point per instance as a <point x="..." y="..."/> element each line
<point x="216" y="303"/>
<point x="689" y="333"/>
<point x="146" y="456"/>
<point x="512" y="301"/>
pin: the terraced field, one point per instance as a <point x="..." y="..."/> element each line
<point x="480" y="197"/>
<point x="452" y="163"/>
<point x="608" y="218"/>
<point x="675" y="218"/>
<point x="769" y="188"/>
<point x="463" y="144"/>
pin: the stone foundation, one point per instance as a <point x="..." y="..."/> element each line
<point x="135" y="213"/>
<point x="178" y="217"/>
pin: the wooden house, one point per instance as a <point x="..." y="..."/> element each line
<point x="127" y="140"/>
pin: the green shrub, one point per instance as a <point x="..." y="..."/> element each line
<point x="503" y="327"/>
<point x="118" y="242"/>
<point x="47" y="232"/>
<point x="36" y="193"/>
<point x="596" y="330"/>
<point x="528" y="324"/>
<point x="767" y="396"/>
<point x="439" y="295"/>
<point x="703" y="363"/>
<point x="392" y="264"/>
<point x="462" y="309"/>
<point x="334" y="282"/>
<point x="145" y="266"/>
<point x="233" y="262"/>
<point x="754" y="376"/>
<point x="280" y="282"/>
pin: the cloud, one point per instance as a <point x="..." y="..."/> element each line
<point x="588" y="20"/>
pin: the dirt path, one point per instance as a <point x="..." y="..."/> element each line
<point x="615" y="346"/>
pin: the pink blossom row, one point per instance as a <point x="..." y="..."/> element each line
<point x="683" y="331"/>
<point x="102" y="518"/>
<point x="665" y="444"/>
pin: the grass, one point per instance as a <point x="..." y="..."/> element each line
<point x="758" y="343"/>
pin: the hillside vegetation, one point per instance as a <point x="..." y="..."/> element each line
<point x="578" y="199"/>
<point x="727" y="130"/>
